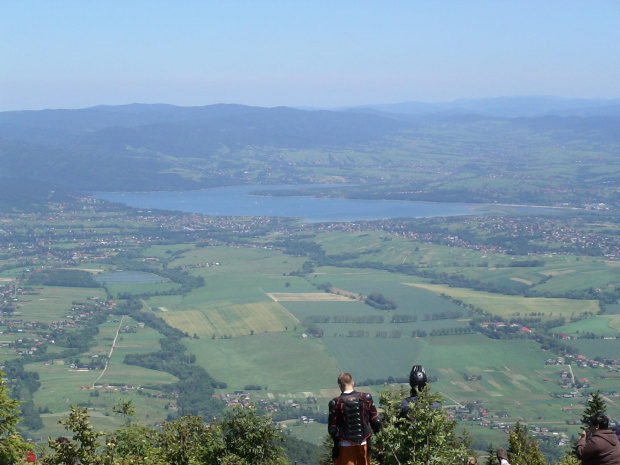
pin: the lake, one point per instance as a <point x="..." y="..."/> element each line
<point x="237" y="201"/>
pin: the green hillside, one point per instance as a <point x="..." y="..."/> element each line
<point x="536" y="160"/>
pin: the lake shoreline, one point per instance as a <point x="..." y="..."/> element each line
<point x="244" y="201"/>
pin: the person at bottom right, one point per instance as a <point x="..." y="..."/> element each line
<point x="599" y="445"/>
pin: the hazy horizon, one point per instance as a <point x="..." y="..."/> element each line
<point x="73" y="54"/>
<point x="613" y="101"/>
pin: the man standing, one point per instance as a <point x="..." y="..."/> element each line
<point x="352" y="420"/>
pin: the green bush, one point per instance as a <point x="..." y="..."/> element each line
<point x="426" y="437"/>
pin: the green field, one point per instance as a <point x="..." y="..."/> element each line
<point x="314" y="433"/>
<point x="599" y="325"/>
<point x="566" y="272"/>
<point x="506" y="306"/>
<point x="140" y="288"/>
<point x="150" y="410"/>
<point x="612" y="309"/>
<point x="598" y="348"/>
<point x="62" y="386"/>
<point x="51" y="302"/>
<point x="231" y="320"/>
<point x="285" y="362"/>
<point x="247" y="327"/>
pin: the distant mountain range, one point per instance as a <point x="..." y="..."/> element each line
<point x="235" y="125"/>
<point x="504" y="107"/>
<point x="163" y="147"/>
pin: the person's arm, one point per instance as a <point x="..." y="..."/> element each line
<point x="332" y="420"/>
<point x="585" y="448"/>
<point x="373" y="416"/>
<point x="332" y="427"/>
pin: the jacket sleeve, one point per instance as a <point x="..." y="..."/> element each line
<point x="586" y="448"/>
<point x="373" y="416"/>
<point x="332" y="420"/>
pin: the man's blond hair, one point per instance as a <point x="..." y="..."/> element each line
<point x="344" y="379"/>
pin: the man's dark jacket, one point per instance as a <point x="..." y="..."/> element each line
<point x="353" y="418"/>
<point x="602" y="448"/>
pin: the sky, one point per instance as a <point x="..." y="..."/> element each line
<point x="82" y="53"/>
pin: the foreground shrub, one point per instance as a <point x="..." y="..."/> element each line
<point x="427" y="437"/>
<point x="242" y="438"/>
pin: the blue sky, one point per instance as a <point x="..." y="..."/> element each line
<point x="75" y="54"/>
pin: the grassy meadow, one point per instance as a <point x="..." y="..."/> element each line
<point x="150" y="410"/>
<point x="603" y="325"/>
<point x="231" y="320"/>
<point x="507" y="306"/>
<point x="246" y="328"/>
<point x="50" y="303"/>
<point x="283" y="363"/>
<point x="514" y="377"/>
<point x="567" y="272"/>
<point x="62" y="386"/>
<point x="248" y="291"/>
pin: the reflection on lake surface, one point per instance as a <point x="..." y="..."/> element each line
<point x="237" y="201"/>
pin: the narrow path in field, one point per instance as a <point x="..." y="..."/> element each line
<point x="572" y="376"/>
<point x="118" y="330"/>
<point x="610" y="401"/>
<point x="456" y="402"/>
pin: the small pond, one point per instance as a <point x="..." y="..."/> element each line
<point x="129" y="277"/>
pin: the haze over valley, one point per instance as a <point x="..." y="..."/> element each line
<point x="96" y="284"/>
<point x="208" y="210"/>
<point x="464" y="151"/>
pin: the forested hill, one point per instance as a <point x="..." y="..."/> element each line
<point x="407" y="151"/>
<point x="29" y="194"/>
<point x="138" y="147"/>
<point x="230" y="125"/>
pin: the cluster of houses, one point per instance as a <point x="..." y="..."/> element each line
<point x="30" y="338"/>
<point x="610" y="364"/>
<point x="501" y="324"/>
<point x="99" y="241"/>
<point x="236" y="399"/>
<point x="243" y="399"/>
<point x="23" y="337"/>
<point x="567" y="379"/>
<point x="200" y="265"/>
<point x="279" y="410"/>
<point x="551" y="232"/>
<point x="477" y="413"/>
<point x="8" y="298"/>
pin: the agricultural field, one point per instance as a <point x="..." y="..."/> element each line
<point x="285" y="364"/>
<point x="234" y="300"/>
<point x="257" y="321"/>
<point x="507" y="306"/>
<point x="48" y="303"/>
<point x="603" y="325"/>
<point x="612" y="309"/>
<point x="231" y="320"/>
<point x="63" y="385"/>
<point x="559" y="274"/>
<point x="514" y="378"/>
<point x="378" y="246"/>
<point x="595" y="273"/>
<point x="313" y="433"/>
<point x="150" y="410"/>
